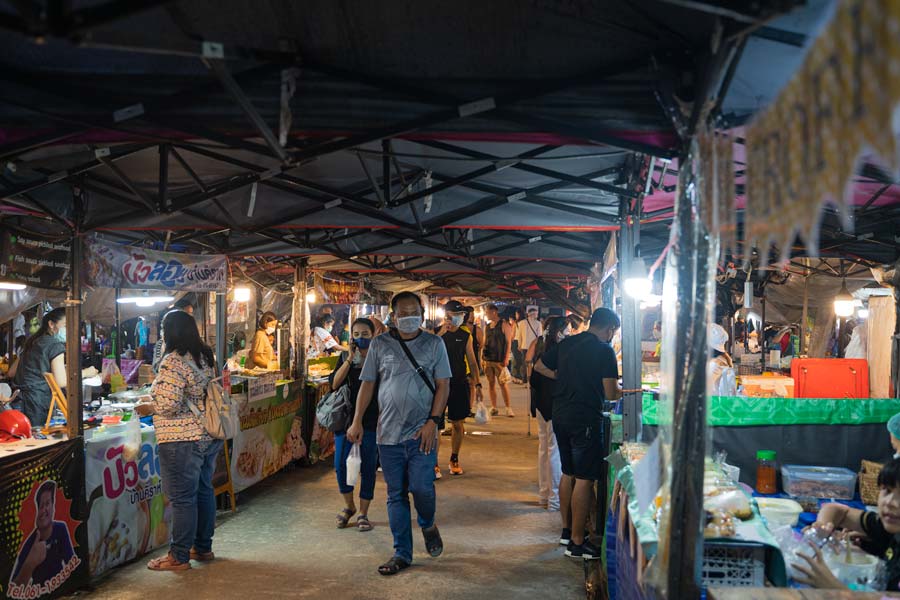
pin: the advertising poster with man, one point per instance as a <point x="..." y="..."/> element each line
<point x="42" y="522"/>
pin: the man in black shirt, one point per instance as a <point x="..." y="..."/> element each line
<point x="587" y="377"/>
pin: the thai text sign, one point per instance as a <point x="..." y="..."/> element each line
<point x="802" y="150"/>
<point x="113" y="266"/>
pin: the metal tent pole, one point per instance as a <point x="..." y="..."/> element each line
<point x="629" y="254"/>
<point x="74" y="400"/>
<point x="221" y="328"/>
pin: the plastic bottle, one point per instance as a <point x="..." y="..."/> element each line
<point x="765" y="472"/>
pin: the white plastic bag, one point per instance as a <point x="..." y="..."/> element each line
<point x="482" y="416"/>
<point x="354" y="462"/>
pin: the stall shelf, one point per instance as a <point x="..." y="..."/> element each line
<point x="797" y="429"/>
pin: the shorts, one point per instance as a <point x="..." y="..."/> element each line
<point x="458" y="404"/>
<point x="582" y="450"/>
<point x="492" y="369"/>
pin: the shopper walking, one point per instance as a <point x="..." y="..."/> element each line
<point x="584" y="367"/>
<point x="348" y="372"/>
<point x="528" y="330"/>
<point x="542" y="390"/>
<point x="413" y="373"/>
<point x="497" y="347"/>
<point x="187" y="454"/>
<point x="477" y="345"/>
<point x="464" y="369"/>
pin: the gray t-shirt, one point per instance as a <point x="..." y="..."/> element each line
<point x="404" y="401"/>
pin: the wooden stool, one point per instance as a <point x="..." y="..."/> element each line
<point x="228" y="485"/>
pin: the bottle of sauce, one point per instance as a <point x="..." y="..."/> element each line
<point x="765" y="472"/>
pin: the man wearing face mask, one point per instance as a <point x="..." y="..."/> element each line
<point x="413" y="374"/>
<point x="461" y="352"/>
<point x="584" y="367"/>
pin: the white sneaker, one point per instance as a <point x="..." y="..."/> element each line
<point x="509" y="412"/>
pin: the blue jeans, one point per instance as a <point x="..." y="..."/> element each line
<point x="408" y="470"/>
<point x="187" y="472"/>
<point x="368" y="452"/>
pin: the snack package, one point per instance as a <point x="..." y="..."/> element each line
<point x="731" y="500"/>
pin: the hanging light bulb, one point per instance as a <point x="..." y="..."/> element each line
<point x="242" y="294"/>
<point x="311" y="297"/>
<point x="637" y="284"/>
<point x="8" y="285"/>
<point x="844" y="304"/>
<point x="863" y="313"/>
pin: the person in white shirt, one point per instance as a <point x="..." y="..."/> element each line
<point x="323" y="342"/>
<point x="527" y="331"/>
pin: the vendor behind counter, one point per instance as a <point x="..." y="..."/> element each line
<point x="262" y="351"/>
<point x="43" y="352"/>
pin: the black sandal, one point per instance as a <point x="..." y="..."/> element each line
<point x="344" y="518"/>
<point x="433" y="542"/>
<point x="393" y="566"/>
<point x="363" y="523"/>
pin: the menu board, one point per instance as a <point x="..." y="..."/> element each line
<point x="270" y="437"/>
<point x="34" y="261"/>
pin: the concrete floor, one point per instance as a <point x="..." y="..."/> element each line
<point x="282" y="542"/>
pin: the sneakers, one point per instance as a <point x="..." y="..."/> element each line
<point x="509" y="412"/>
<point x="455" y="469"/>
<point x="437" y="473"/>
<point x="586" y="551"/>
<point x="565" y="538"/>
<point x="494" y="412"/>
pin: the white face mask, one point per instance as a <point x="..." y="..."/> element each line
<point x="409" y="324"/>
<point x="270" y="330"/>
<point x="457" y="320"/>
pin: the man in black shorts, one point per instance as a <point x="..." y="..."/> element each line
<point x="587" y="377"/>
<point x="460" y="351"/>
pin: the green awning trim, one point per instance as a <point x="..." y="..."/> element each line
<point x="739" y="411"/>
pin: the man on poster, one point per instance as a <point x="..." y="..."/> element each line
<point x="48" y="550"/>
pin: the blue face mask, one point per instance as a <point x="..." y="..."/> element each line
<point x="362" y="342"/>
<point x="457" y="320"/>
<point x="61" y="334"/>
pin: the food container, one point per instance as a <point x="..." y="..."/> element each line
<point x="818" y="482"/>
<point x="767" y="386"/>
<point x="779" y="512"/>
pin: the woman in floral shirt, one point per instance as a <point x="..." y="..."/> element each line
<point x="187" y="454"/>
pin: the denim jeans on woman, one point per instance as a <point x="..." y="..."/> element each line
<point x="368" y="452"/>
<point x="187" y="471"/>
<point x="408" y="470"/>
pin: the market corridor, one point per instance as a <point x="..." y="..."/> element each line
<point x="282" y="543"/>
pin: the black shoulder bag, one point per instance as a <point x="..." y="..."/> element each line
<point x="412" y="359"/>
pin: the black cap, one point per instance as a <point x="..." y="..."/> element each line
<point x="454" y="306"/>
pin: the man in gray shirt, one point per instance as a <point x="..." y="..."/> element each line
<point x="411" y="403"/>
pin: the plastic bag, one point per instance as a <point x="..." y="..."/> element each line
<point x="505" y="376"/>
<point x="354" y="462"/>
<point x="109" y="368"/>
<point x="482" y="415"/>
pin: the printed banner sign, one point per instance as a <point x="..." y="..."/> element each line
<point x="270" y="436"/>
<point x="129" y="515"/>
<point x="802" y="150"/>
<point x="34" y="261"/>
<point x="112" y="266"/>
<point x="43" y="543"/>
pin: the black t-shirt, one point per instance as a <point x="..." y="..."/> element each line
<point x="882" y="544"/>
<point x="33" y="365"/>
<point x="457" y="342"/>
<point x="370" y="417"/>
<point x="494" y="343"/>
<point x="542" y="388"/>
<point x="581" y="363"/>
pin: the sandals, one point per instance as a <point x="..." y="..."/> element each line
<point x="344" y="518"/>
<point x="433" y="542"/>
<point x="167" y="563"/>
<point x="393" y="566"/>
<point x="363" y="523"/>
<point x="202" y="556"/>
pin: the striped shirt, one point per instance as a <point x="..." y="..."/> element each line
<point x="174" y="386"/>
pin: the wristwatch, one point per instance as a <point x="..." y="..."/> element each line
<point x="437" y="420"/>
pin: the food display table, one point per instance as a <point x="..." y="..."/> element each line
<point x="799" y="430"/>
<point x="631" y="539"/>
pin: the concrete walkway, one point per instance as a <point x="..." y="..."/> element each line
<point x="282" y="542"/>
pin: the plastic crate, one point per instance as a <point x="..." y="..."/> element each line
<point x="731" y="564"/>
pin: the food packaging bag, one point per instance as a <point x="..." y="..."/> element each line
<point x="482" y="416"/>
<point x="505" y="376"/>
<point x="354" y="462"/>
<point x="132" y="446"/>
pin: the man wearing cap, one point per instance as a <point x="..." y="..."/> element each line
<point x="464" y="368"/>
<point x="527" y="331"/>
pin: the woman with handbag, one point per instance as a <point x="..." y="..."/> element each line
<point x="187" y="453"/>
<point x="348" y="372"/>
